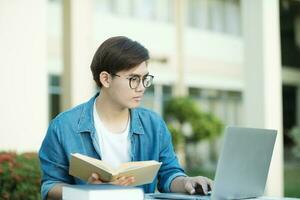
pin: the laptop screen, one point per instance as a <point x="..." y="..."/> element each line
<point x="244" y="163"/>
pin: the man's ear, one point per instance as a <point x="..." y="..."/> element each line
<point x="105" y="79"/>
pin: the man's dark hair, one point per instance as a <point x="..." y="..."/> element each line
<point x="116" y="54"/>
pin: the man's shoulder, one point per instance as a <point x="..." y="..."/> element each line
<point x="72" y="114"/>
<point x="147" y="113"/>
<point x="78" y="111"/>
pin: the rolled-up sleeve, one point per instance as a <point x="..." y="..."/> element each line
<point x="53" y="160"/>
<point x="170" y="168"/>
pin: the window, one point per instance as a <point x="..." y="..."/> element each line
<point x="215" y="15"/>
<point x="226" y="105"/>
<point x="105" y="6"/>
<point x="54" y="96"/>
<point x="161" y="10"/>
<point x="144" y="9"/>
<point x="232" y="17"/>
<point x="164" y="10"/>
<point x="198" y="13"/>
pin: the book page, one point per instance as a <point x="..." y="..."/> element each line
<point x="96" y="162"/>
<point x="144" y="172"/>
<point x="135" y="165"/>
<point x="83" y="166"/>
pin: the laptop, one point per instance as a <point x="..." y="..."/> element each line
<point x="242" y="168"/>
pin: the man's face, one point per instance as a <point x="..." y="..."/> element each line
<point x="121" y="92"/>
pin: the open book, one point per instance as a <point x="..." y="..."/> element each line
<point x="82" y="166"/>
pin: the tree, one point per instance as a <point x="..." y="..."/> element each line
<point x="295" y="135"/>
<point x="188" y="124"/>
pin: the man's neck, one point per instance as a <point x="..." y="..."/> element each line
<point x="114" y="117"/>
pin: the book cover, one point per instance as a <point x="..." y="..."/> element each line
<point x="83" y="166"/>
<point x="101" y="191"/>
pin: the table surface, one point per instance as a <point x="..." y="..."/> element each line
<point x="199" y="197"/>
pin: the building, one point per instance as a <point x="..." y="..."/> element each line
<point x="198" y="47"/>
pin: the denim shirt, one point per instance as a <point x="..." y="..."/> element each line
<point x="73" y="131"/>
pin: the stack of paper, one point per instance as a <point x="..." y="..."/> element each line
<point x="101" y="191"/>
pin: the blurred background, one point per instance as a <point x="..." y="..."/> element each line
<point x="216" y="63"/>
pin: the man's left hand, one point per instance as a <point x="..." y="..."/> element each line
<point x="197" y="185"/>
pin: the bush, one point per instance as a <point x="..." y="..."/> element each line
<point x="19" y="176"/>
<point x="177" y="137"/>
<point x="180" y="111"/>
<point x="295" y="135"/>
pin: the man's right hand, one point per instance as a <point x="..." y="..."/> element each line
<point x="95" y="179"/>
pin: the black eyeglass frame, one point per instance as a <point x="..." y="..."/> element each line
<point x="139" y="80"/>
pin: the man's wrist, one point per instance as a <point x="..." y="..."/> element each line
<point x="177" y="185"/>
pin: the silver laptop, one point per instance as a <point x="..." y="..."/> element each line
<point x="244" y="162"/>
<point x="242" y="167"/>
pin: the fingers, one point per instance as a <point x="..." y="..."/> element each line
<point x="204" y="186"/>
<point x="199" y="189"/>
<point x="210" y="184"/>
<point x="94" y="179"/>
<point x="123" y="181"/>
<point x="189" y="187"/>
<point x="200" y="185"/>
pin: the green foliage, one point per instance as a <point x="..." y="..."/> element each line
<point x="177" y="137"/>
<point x="19" y="176"/>
<point x="295" y="134"/>
<point x="181" y="110"/>
<point x="209" y="173"/>
<point x="206" y="126"/>
<point x="292" y="180"/>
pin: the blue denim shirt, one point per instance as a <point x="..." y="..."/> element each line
<point x="73" y="131"/>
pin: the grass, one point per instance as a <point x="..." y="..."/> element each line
<point x="292" y="180"/>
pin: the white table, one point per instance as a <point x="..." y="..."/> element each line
<point x="173" y="196"/>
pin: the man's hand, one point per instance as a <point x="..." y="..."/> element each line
<point x="95" y="179"/>
<point x="197" y="185"/>
<point x="192" y="185"/>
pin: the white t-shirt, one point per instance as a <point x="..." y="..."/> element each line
<point x="114" y="147"/>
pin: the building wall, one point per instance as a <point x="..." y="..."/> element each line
<point x="209" y="45"/>
<point x="23" y="77"/>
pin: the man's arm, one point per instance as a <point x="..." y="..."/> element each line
<point x="56" y="192"/>
<point x="170" y="168"/>
<point x="171" y="176"/>
<point x="54" y="163"/>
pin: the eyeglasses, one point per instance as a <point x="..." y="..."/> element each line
<point x="134" y="81"/>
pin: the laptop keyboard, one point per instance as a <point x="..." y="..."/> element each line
<point x="176" y="196"/>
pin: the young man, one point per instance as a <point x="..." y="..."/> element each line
<point x="110" y="127"/>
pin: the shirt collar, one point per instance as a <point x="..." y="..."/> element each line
<point x="86" y="120"/>
<point x="136" y="124"/>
